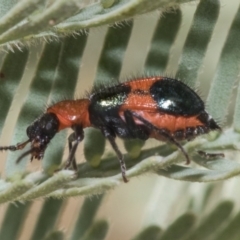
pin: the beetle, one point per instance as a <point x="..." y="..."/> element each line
<point x="149" y="107"/>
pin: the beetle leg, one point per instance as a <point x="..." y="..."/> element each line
<point x="137" y="131"/>
<point x="210" y="155"/>
<point x="111" y="139"/>
<point x="76" y="136"/>
<point x="163" y="133"/>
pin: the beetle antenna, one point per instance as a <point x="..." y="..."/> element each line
<point x="16" y="147"/>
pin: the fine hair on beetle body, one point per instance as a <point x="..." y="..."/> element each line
<point x="147" y="107"/>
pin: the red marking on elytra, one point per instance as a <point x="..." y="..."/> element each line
<point x="153" y="107"/>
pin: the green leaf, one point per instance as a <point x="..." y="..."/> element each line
<point x="40" y="87"/>
<point x="133" y="147"/>
<point x="6" y="5"/>
<point x="226" y="74"/>
<point x="93" y="140"/>
<point x="112" y="56"/>
<point x="56" y="235"/>
<point x="19" y="12"/>
<point x="231" y="231"/>
<point x="86" y="217"/>
<point x="213" y="221"/>
<point x="180" y="228"/>
<point x="65" y="81"/>
<point x="14" y="220"/>
<point x="50" y="74"/>
<point x="30" y="20"/>
<point x="151" y="232"/>
<point x="197" y="41"/>
<point x="236" y="122"/>
<point x="163" y="39"/>
<point x="10" y="80"/>
<point x="47" y="218"/>
<point x="97" y="231"/>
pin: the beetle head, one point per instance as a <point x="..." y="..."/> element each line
<point x="40" y="132"/>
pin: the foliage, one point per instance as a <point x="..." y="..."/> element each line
<point x="46" y="72"/>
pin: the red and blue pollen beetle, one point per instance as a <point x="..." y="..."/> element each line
<point x="153" y="107"/>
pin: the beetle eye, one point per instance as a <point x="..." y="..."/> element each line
<point x="49" y="126"/>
